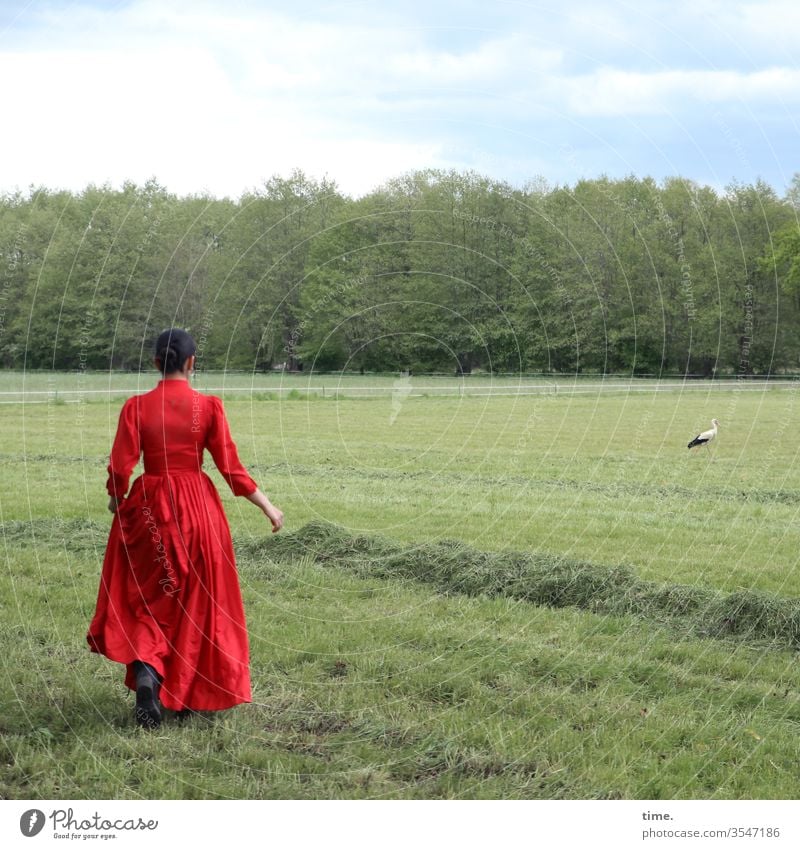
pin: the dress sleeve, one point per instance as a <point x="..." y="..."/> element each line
<point x="223" y="450"/>
<point x="125" y="451"/>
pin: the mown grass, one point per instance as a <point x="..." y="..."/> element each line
<point x="555" y="581"/>
<point x="371" y="684"/>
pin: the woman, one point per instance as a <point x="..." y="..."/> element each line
<point x="169" y="605"/>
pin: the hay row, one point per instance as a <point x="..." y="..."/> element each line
<point x="540" y="578"/>
<point x="456" y="568"/>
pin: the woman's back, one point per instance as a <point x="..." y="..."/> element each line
<point x="171" y="426"/>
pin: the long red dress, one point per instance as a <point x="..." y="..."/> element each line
<point x="169" y="592"/>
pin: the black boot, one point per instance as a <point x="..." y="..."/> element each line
<point x="148" y="709"/>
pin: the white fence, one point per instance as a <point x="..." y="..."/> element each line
<point x="409" y="390"/>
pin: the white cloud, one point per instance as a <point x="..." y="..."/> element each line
<point x="173" y="114"/>
<point x="599" y="22"/>
<point x="494" y="61"/>
<point x="611" y="92"/>
<point x="221" y="100"/>
<point x="220" y="96"/>
<point x="776" y="22"/>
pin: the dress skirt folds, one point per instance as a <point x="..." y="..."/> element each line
<point x="169" y="592"/>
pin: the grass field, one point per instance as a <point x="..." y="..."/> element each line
<point x="369" y="686"/>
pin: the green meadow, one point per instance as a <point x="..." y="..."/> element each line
<point x="373" y="679"/>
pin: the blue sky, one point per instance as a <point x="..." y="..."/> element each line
<point x="218" y="96"/>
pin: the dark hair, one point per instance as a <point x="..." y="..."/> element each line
<point x="173" y="348"/>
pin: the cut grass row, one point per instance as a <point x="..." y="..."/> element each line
<point x="454" y="568"/>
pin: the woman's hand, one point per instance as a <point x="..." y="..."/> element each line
<point x="275" y="516"/>
<point x="113" y="503"/>
<point x="269" y="509"/>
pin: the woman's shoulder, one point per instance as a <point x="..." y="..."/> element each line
<point x="140" y="397"/>
<point x="211" y="403"/>
<point x="133" y="401"/>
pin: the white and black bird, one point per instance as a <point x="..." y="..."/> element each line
<point x="706" y="437"/>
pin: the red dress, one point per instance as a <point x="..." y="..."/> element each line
<point x="169" y="592"/>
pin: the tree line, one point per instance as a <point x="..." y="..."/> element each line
<point x="435" y="271"/>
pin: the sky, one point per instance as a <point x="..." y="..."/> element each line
<point x="218" y="97"/>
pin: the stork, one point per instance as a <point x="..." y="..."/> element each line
<point x="706" y="437"/>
